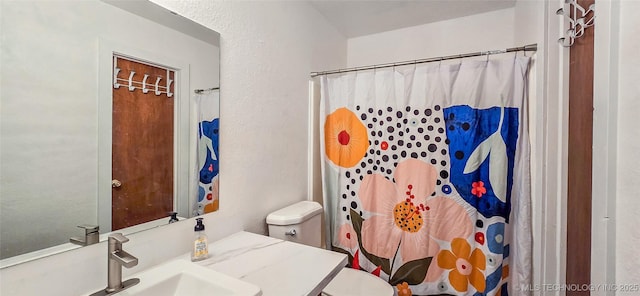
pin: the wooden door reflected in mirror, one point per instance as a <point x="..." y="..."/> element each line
<point x="142" y="143"/>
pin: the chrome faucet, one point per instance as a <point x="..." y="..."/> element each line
<point x="91" y="235"/>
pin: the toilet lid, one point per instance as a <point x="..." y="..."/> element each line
<point x="351" y="282"/>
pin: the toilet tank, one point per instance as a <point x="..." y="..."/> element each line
<point x="299" y="223"/>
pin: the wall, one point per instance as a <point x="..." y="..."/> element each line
<point x="627" y="237"/>
<point x="50" y="111"/>
<point x="267" y="52"/>
<point x="491" y="30"/>
<point x="605" y="164"/>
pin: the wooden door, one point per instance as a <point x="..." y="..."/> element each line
<point x="142" y="143"/>
<point x="580" y="160"/>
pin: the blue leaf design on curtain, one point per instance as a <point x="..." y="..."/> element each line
<point x="208" y="153"/>
<point x="482" y="151"/>
<point x="495" y="148"/>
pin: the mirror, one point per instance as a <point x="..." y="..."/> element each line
<point x="71" y="74"/>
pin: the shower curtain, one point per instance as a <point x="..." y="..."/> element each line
<point x="208" y="113"/>
<point x="426" y="175"/>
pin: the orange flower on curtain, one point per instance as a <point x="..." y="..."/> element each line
<point x="465" y="267"/>
<point x="345" y="138"/>
<point x="403" y="289"/>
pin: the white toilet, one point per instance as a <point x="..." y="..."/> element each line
<point x="301" y="223"/>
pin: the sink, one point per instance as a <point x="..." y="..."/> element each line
<point x="183" y="278"/>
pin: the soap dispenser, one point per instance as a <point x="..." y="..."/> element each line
<point x="200" y="244"/>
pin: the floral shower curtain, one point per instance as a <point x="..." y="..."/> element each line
<point x="426" y="175"/>
<point x="207" y="107"/>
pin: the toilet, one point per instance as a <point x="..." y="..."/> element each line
<point x="301" y="223"/>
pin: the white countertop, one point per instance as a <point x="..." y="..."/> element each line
<point x="279" y="268"/>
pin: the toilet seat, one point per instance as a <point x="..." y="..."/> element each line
<point x="352" y="282"/>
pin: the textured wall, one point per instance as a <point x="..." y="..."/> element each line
<point x="479" y="32"/>
<point x="628" y="202"/>
<point x="267" y="51"/>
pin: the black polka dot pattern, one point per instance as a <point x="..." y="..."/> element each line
<point x="395" y="135"/>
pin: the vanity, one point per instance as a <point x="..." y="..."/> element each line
<point x="278" y="267"/>
<point x="243" y="264"/>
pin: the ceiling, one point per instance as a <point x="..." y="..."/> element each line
<point x="357" y="17"/>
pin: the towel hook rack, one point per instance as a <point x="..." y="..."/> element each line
<point x="144" y="84"/>
<point x="169" y="81"/>
<point x="116" y="70"/>
<point x="157" y="91"/>
<point x="131" y="87"/>
<point x="579" y="19"/>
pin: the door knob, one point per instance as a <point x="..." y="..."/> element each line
<point x="116" y="183"/>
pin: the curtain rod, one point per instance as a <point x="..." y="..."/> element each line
<point x="530" y="47"/>
<point x="199" y="91"/>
